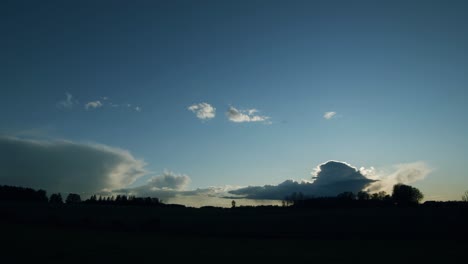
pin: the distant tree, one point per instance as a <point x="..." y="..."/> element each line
<point x="346" y="196"/>
<point x="405" y="194"/>
<point x="465" y="197"/>
<point x="380" y="196"/>
<point x="42" y="196"/>
<point x="56" y="198"/>
<point x="13" y="193"/>
<point x="73" y="198"/>
<point x="363" y="196"/>
<point x="233" y="203"/>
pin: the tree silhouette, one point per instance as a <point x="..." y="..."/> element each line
<point x="233" y="203"/>
<point x="380" y="196"/>
<point x="405" y="194"/>
<point x="56" y="198"/>
<point x="363" y="196"/>
<point x="346" y="196"/>
<point x="465" y="197"/>
<point x="73" y="198"/>
<point x="12" y="193"/>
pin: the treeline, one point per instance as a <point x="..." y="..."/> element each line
<point x="124" y="200"/>
<point x="402" y="195"/>
<point x="13" y="193"/>
<point x="21" y="194"/>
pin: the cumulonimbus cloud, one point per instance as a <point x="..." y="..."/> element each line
<point x="66" y="166"/>
<point x="240" y="116"/>
<point x="329" y="115"/>
<point x="330" y="179"/>
<point x="334" y="177"/>
<point x="203" y="111"/>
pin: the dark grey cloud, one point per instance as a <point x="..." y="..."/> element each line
<point x="331" y="178"/>
<point x="65" y="166"/>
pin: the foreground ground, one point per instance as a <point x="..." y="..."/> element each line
<point x="128" y="234"/>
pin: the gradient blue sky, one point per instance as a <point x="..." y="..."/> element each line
<point x="395" y="73"/>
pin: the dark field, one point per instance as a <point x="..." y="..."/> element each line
<point x="96" y="233"/>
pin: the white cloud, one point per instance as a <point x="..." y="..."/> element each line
<point x="68" y="102"/>
<point x="334" y="177"/>
<point x="169" y="180"/>
<point x="252" y="111"/>
<point x="165" y="186"/>
<point x="93" y="104"/>
<point x="405" y="173"/>
<point x="329" y="115"/>
<point x="66" y="166"/>
<point x="240" y="116"/>
<point x="138" y="109"/>
<point x="203" y="111"/>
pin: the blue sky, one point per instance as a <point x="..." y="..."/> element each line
<point x="394" y="72"/>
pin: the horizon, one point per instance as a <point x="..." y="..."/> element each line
<point x="199" y="102"/>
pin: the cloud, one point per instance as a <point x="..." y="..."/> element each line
<point x="210" y="196"/>
<point x="329" y="179"/>
<point x="204" y="111"/>
<point x="93" y="104"/>
<point x="329" y="115"/>
<point x="68" y="102"/>
<point x="406" y="173"/>
<point x="334" y="177"/>
<point x="66" y="166"/>
<point x="104" y="101"/>
<point x="165" y="186"/>
<point x="240" y="116"/>
<point x="169" y="180"/>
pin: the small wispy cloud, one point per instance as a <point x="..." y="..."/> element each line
<point x="68" y="102"/>
<point x="249" y="115"/>
<point x="329" y="115"/>
<point x="105" y="102"/>
<point x="93" y="105"/>
<point x="203" y="111"/>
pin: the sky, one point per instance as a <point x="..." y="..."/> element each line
<point x="183" y="98"/>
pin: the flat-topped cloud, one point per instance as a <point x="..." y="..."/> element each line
<point x="66" y="166"/>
